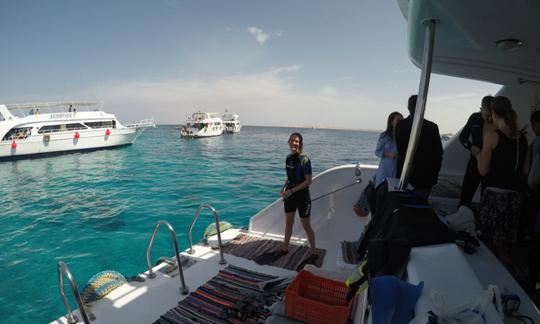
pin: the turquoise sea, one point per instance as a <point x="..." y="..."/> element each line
<point x="96" y="211"/>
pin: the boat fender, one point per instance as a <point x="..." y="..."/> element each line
<point x="211" y="229"/>
<point x="102" y="284"/>
<point x="77" y="135"/>
<point x="107" y="132"/>
<point x="13" y="145"/>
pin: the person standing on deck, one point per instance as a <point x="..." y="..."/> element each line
<point x="533" y="258"/>
<point x="471" y="137"/>
<point x="386" y="150"/>
<point x="501" y="164"/>
<point x="427" y="161"/>
<point x="295" y="192"/>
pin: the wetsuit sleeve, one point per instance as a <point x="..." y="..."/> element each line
<point x="464" y="136"/>
<point x="379" y="151"/>
<point x="307" y="166"/>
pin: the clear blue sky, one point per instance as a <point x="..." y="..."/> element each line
<point x="312" y="63"/>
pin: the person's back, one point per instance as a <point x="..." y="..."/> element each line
<point x="507" y="162"/>
<point x="428" y="158"/>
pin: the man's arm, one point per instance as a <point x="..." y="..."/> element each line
<point x="466" y="134"/>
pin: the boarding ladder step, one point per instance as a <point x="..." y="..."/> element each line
<point x="183" y="288"/>
<point x="216" y="218"/>
<point x="71" y="318"/>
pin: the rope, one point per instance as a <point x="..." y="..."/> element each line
<point x="312" y="200"/>
<point x="332" y="192"/>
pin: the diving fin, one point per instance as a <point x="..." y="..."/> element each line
<point x="384" y="292"/>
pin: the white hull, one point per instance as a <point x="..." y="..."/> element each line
<point x="233" y="130"/>
<point x="65" y="142"/>
<point x="194" y="133"/>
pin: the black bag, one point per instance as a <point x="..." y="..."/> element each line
<point x="375" y="195"/>
<point x="405" y="216"/>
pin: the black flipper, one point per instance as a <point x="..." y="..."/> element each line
<point x="269" y="257"/>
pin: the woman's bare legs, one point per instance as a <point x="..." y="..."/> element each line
<point x="289" y="222"/>
<point x="310" y="234"/>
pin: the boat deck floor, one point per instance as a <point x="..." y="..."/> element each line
<point x="145" y="302"/>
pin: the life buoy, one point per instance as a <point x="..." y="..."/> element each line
<point x="77" y="135"/>
<point x="107" y="132"/>
<point x="13" y="145"/>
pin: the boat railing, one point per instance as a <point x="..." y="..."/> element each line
<point x="143" y="124"/>
<point x="183" y="288"/>
<point x="37" y="108"/>
<point x="63" y="269"/>
<point x="216" y="218"/>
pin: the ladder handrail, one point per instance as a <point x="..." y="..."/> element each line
<point x="216" y="218"/>
<point x="63" y="269"/>
<point x="151" y="273"/>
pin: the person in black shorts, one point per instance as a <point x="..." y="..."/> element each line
<point x="295" y="192"/>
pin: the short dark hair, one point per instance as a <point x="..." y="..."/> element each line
<point x="412" y="103"/>
<point x="486" y="102"/>
<point x="535" y="117"/>
<point x="300" y="139"/>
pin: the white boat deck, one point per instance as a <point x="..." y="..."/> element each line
<point x="333" y="221"/>
<point x="145" y="302"/>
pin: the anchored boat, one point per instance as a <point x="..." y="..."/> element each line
<point x="231" y="121"/>
<point x="202" y="124"/>
<point x="56" y="127"/>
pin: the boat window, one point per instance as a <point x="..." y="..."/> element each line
<point x="75" y="126"/>
<point x="17" y="133"/>
<point x="102" y="124"/>
<point x="49" y="129"/>
<point x="60" y="128"/>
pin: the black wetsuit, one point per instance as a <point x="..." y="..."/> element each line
<point x="298" y="166"/>
<point x="471" y="135"/>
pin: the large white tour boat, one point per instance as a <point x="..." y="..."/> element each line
<point x="489" y="40"/>
<point x="54" y="127"/>
<point x="202" y="124"/>
<point x="231" y="121"/>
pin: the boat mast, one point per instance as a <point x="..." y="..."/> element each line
<point x="418" y="118"/>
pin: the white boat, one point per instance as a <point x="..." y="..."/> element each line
<point x="466" y="46"/>
<point x="202" y="124"/>
<point x="231" y="122"/>
<point x="55" y="127"/>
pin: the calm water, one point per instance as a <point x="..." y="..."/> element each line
<point x="96" y="211"/>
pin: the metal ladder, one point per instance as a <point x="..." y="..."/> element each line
<point x="216" y="218"/>
<point x="63" y="269"/>
<point x="183" y="288"/>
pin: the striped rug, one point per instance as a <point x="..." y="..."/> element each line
<point x="249" y="247"/>
<point x="233" y="296"/>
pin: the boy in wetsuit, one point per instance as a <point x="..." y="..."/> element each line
<point x="295" y="192"/>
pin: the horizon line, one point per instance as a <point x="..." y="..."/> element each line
<point x="304" y="127"/>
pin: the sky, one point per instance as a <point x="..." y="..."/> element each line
<point x="312" y="63"/>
